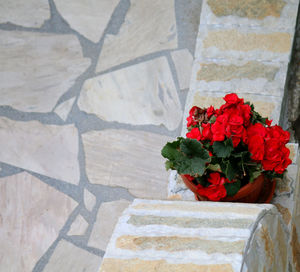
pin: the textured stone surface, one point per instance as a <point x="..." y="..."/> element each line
<point x="252" y="9"/>
<point x="89" y="200"/>
<point x="35" y="80"/>
<point x="233" y="39"/>
<point x="239" y="75"/>
<point x="275" y="14"/>
<point x="188" y="222"/>
<point x="63" y="109"/>
<point x="149" y="26"/>
<point x="293" y="147"/>
<point x="141" y="94"/>
<point x="183" y="61"/>
<point x="20" y="13"/>
<point x="125" y="150"/>
<point x="31" y="216"/>
<point x="268" y="250"/>
<point x="198" y="236"/>
<point x="136" y="265"/>
<point x="234" y="43"/>
<point x="79" y="226"/>
<point x="89" y="19"/>
<point x="67" y="257"/>
<point x="251" y="70"/>
<point x="174" y="243"/>
<point x="107" y="218"/>
<point x="50" y="150"/>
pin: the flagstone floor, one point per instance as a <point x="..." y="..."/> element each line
<point x="89" y="95"/>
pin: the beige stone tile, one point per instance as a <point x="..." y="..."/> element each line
<point x="49" y="150"/>
<point x="176" y="243"/>
<point x="149" y="26"/>
<point x="244" y="76"/>
<point x="293" y="151"/>
<point x="89" y="19"/>
<point x="21" y="12"/>
<point x="130" y="159"/>
<point x="183" y="61"/>
<point x="135" y="265"/>
<point x="79" y="226"/>
<point x="63" y="109"/>
<point x="67" y="257"/>
<point x="234" y="43"/>
<point x="35" y="80"/>
<point x="89" y="200"/>
<point x="140" y="94"/>
<point x="107" y="217"/>
<point x="31" y="216"/>
<point x="277" y="14"/>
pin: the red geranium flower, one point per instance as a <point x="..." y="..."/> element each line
<point x="194" y="134"/>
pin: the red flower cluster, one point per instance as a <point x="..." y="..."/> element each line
<point x="233" y="120"/>
<point x="267" y="146"/>
<point x="216" y="190"/>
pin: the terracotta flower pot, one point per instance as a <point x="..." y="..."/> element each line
<point x="259" y="191"/>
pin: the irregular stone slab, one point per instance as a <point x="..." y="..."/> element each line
<point x="244" y="76"/>
<point x="67" y="257"/>
<point x="63" y="109"/>
<point x="79" y="226"/>
<point x="149" y="26"/>
<point x="157" y="243"/>
<point x="107" y="217"/>
<point x="183" y="61"/>
<point x="89" y="200"/>
<point x="140" y="94"/>
<point x="275" y="14"/>
<point x="20" y="12"/>
<point x="234" y="43"/>
<point x="33" y="82"/>
<point x="130" y="159"/>
<point x="49" y="150"/>
<point x="89" y="19"/>
<point x="31" y="216"/>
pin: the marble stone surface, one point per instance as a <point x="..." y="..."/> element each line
<point x="37" y="68"/>
<point x="68" y="257"/>
<point x="141" y="94"/>
<point x="107" y="217"/>
<point x="130" y="159"/>
<point x="31" y="216"/>
<point x="20" y="12"/>
<point x="49" y="150"/>
<point x="149" y="26"/>
<point x="79" y="226"/>
<point x="88" y="18"/>
<point x="183" y="61"/>
<point x="89" y="200"/>
<point x="63" y="109"/>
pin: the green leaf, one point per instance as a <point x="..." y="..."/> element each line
<point x="223" y="148"/>
<point x="229" y="169"/>
<point x="214" y="167"/>
<point x="232" y="188"/>
<point x="169" y="165"/>
<point x="212" y="119"/>
<point x="170" y="150"/>
<point x="254" y="175"/>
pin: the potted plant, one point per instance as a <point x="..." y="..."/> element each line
<point x="229" y="154"/>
